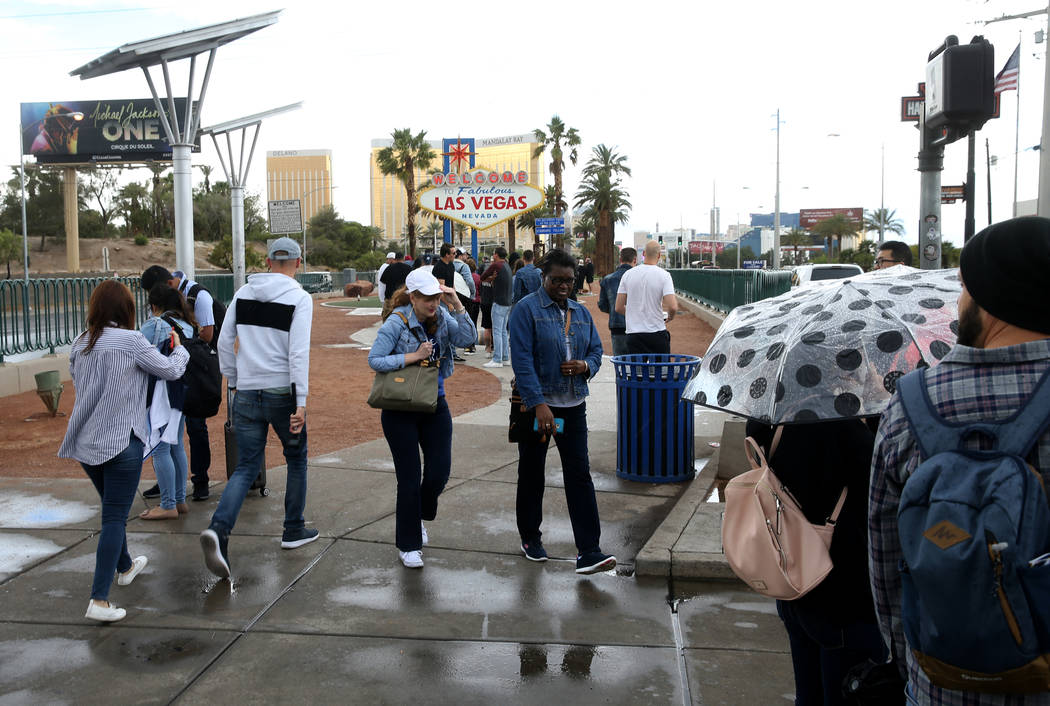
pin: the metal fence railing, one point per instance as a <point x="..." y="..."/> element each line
<point x="726" y="289"/>
<point x="50" y="313"/>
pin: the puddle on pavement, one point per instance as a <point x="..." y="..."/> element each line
<point x="19" y="551"/>
<point x="30" y="510"/>
<point x="574" y="661"/>
<point x="161" y="651"/>
<point x="714" y="597"/>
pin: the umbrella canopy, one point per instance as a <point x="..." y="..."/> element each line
<point x="833" y="350"/>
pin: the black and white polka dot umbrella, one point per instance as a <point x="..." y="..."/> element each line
<point x="832" y="350"/>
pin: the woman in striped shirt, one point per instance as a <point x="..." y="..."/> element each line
<point x="110" y="364"/>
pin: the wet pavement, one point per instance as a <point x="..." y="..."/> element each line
<point x="341" y="621"/>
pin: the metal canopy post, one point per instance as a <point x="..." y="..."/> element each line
<point x="164" y="50"/>
<point x="237" y="175"/>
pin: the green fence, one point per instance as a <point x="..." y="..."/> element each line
<point x="726" y="289"/>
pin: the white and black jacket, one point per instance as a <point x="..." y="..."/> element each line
<point x="270" y="316"/>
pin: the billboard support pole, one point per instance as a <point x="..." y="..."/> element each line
<point x="931" y="163"/>
<point x="69" y="192"/>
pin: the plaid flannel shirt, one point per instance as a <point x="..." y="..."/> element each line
<point x="969" y="384"/>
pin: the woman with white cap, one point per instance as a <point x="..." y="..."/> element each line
<point x="418" y="329"/>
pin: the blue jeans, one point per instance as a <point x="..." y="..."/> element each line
<point x="200" y="450"/>
<point x="254" y="412"/>
<point x="576" y="470"/>
<point x="117" y="483"/>
<point x="169" y="465"/>
<point x="418" y="487"/>
<point x="823" y="651"/>
<point x="500" y="338"/>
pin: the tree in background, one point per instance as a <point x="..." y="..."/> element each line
<point x="553" y="140"/>
<point x="601" y="193"/>
<point x="727" y="258"/>
<point x="796" y="238"/>
<point x="408" y="154"/>
<point x="99" y="185"/>
<point x="432" y="233"/>
<point x="882" y="221"/>
<point x="10" y="248"/>
<point x="222" y="255"/>
<point x="834" y="228"/>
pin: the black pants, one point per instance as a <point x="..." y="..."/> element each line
<point x="656" y="342"/>
<point x="579" y="488"/>
<point x="200" y="450"/>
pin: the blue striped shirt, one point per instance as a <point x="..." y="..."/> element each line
<point x="110" y="384"/>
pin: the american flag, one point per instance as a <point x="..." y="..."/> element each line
<point x="1007" y="78"/>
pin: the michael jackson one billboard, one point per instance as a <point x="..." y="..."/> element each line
<point x="109" y="131"/>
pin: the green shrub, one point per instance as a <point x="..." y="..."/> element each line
<point x="141" y="239"/>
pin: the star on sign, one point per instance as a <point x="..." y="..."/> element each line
<point x="457" y="154"/>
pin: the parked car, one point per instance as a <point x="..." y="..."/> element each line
<point x="807" y="274"/>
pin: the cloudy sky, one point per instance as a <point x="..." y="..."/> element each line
<point x="687" y="91"/>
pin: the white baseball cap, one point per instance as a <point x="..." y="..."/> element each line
<point x="419" y="280"/>
<point x="390" y="256"/>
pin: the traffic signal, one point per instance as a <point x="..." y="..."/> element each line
<point x="959" y="85"/>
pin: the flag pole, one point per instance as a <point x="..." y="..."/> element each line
<point x="1017" y="124"/>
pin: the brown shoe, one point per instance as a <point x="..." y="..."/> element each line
<point x="158" y="513"/>
<point x="182" y="508"/>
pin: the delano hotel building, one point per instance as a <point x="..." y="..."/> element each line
<point x="300" y="174"/>
<point x="511" y="152"/>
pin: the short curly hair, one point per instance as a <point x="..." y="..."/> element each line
<point x="557" y="258"/>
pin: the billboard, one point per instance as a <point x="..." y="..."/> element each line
<point x="110" y="131"/>
<point x="809" y="217"/>
<point x="480" y="198"/>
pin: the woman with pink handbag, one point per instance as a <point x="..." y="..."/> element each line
<point x="832" y="627"/>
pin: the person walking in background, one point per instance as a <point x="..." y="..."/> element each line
<point x="203" y="306"/>
<point x="502" y="282"/>
<point x="989" y="377"/>
<point x="527" y="279"/>
<point x="380" y="287"/>
<point x="111" y="363"/>
<point x="607" y="301"/>
<point x="833" y="627"/>
<point x="420" y="329"/>
<point x="588" y="274"/>
<point x="445" y="272"/>
<point x="169" y="459"/>
<point x="393" y="278"/>
<point x="893" y="252"/>
<point x="467" y="273"/>
<point x="270" y="319"/>
<point x="556" y="350"/>
<point x="644" y="293"/>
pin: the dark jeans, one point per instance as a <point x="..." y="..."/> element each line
<point x="656" y="342"/>
<point x="823" y="651"/>
<point x="200" y="450"/>
<point x="576" y="470"/>
<point x="418" y="487"/>
<point x="254" y="412"/>
<point x="117" y="482"/>
<point x="619" y="341"/>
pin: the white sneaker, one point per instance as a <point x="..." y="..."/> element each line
<point x="426" y="538"/>
<point x="493" y="364"/>
<point x="104" y="614"/>
<point x="137" y="565"/>
<point x="411" y="560"/>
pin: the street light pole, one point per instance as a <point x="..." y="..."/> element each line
<point x="776" y="206"/>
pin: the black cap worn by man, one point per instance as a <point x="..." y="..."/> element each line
<point x="1005" y="269"/>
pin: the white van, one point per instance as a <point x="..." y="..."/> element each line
<point x="805" y="275"/>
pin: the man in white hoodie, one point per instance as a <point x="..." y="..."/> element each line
<point x="270" y="317"/>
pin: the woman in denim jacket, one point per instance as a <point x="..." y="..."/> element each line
<point x="431" y="334"/>
<point x="552" y="364"/>
<point x="169" y="460"/>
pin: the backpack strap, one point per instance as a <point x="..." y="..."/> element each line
<point x="1014" y="435"/>
<point x="191" y="295"/>
<point x="175" y="327"/>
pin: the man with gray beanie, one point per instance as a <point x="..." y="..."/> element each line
<point x="992" y="374"/>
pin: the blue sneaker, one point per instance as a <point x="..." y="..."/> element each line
<point x="216" y="556"/>
<point x="534" y="550"/>
<point x="291" y="539"/>
<point x="593" y="562"/>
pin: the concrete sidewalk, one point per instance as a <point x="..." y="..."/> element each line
<point x="341" y="621"/>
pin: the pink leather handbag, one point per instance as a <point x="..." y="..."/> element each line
<point x="768" y="542"/>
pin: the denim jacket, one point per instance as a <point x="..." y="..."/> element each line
<point x="537" y="348"/>
<point x="394" y="339"/>
<point x="156" y="329"/>
<point x="526" y="281"/>
<point x="607" y="298"/>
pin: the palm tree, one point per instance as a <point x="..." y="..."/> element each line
<point x="796" y="237"/>
<point x="584" y="225"/>
<point x="883" y="220"/>
<point x="605" y="159"/>
<point x="604" y="195"/>
<point x="402" y="159"/>
<point x="557" y="136"/>
<point x="431" y="231"/>
<point x="835" y="227"/>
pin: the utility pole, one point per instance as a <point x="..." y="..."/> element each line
<point x="969" y="188"/>
<point x="776" y="206"/>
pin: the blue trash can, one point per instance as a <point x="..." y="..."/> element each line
<point x="654" y="425"/>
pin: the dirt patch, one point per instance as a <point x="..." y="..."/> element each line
<point x="338" y="415"/>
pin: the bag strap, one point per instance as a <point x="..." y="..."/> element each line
<point x="568" y="320"/>
<point x="175" y="327"/>
<point x="776" y="441"/>
<point x="405" y="320"/>
<point x="834" y="517"/>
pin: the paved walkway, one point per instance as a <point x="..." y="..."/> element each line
<point x="340" y="621"/>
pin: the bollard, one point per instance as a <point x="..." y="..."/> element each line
<point x="49" y="387"/>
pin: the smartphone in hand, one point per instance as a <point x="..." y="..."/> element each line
<point x="559" y="425"/>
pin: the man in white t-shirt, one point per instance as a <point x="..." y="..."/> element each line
<point x="390" y="257"/>
<point x="644" y="293"/>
